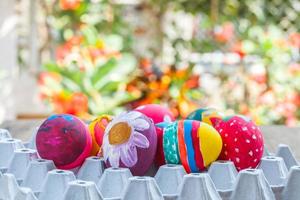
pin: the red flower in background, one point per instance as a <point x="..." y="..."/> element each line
<point x="75" y="103"/>
<point x="294" y="68"/>
<point x="69" y="4"/>
<point x="224" y="33"/>
<point x="294" y="39"/>
<point x="64" y="50"/>
<point x="79" y="103"/>
<point x="43" y="76"/>
<point x="260" y="78"/>
<point x="237" y="47"/>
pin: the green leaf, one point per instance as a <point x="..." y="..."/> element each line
<point x="110" y="87"/>
<point x="126" y="64"/>
<point x="90" y="34"/>
<point x="114" y="42"/>
<point x="103" y="70"/>
<point x="70" y="85"/>
<point x="51" y="67"/>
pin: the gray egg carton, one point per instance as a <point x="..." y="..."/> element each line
<point x="24" y="176"/>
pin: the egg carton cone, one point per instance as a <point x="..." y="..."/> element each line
<point x="292" y="187"/>
<point x="113" y="182"/>
<point x="275" y="172"/>
<point x="8" y="187"/>
<point x="223" y="175"/>
<point x="251" y="184"/>
<point x="7" y="148"/>
<point x="168" y="178"/>
<point x="4" y="134"/>
<point x="198" y="186"/>
<point x="266" y="152"/>
<point x="82" y="190"/>
<point x="25" y="194"/>
<point x="55" y="184"/>
<point x="142" y="188"/>
<point x="31" y="143"/>
<point x="36" y="173"/>
<point x="20" y="161"/>
<point x="285" y="152"/>
<point x="92" y="169"/>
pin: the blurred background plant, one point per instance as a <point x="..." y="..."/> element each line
<point x="110" y="55"/>
<point x="92" y="59"/>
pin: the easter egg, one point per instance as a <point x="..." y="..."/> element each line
<point x="243" y="142"/>
<point x="158" y="114"/>
<point x="130" y="141"/>
<point x="191" y="143"/>
<point x="96" y="129"/>
<point x="208" y="115"/>
<point x="65" y="140"/>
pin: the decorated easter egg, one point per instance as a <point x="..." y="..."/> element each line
<point x="158" y="114"/>
<point x="97" y="128"/>
<point x="192" y="143"/>
<point x="65" y="140"/>
<point x="208" y="115"/>
<point x="243" y="142"/>
<point x="130" y="141"/>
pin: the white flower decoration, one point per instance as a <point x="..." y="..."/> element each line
<point x="122" y="136"/>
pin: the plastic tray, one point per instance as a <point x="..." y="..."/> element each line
<point x="24" y="176"/>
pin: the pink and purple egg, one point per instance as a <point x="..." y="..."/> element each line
<point x="130" y="141"/>
<point x="158" y="114"/>
<point x="64" y="139"/>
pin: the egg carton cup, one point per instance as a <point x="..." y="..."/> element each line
<point x="142" y="187"/>
<point x="31" y="144"/>
<point x="113" y="182"/>
<point x="291" y="190"/>
<point x="92" y="169"/>
<point x="82" y="190"/>
<point x="55" y="184"/>
<point x="25" y="177"/>
<point x="168" y="178"/>
<point x="7" y="148"/>
<point x="20" y="161"/>
<point x="8" y="187"/>
<point x="25" y="194"/>
<point x="4" y="134"/>
<point x="223" y="175"/>
<point x="275" y="172"/>
<point x="251" y="184"/>
<point x="36" y="173"/>
<point x="285" y="152"/>
<point x="198" y="186"/>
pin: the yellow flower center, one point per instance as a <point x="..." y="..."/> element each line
<point x="119" y="133"/>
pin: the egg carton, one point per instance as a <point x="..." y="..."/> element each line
<point x="24" y="176"/>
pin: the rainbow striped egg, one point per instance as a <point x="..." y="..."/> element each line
<point x="208" y="115"/>
<point x="192" y="143"/>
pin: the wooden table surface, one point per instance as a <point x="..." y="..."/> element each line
<point x="273" y="135"/>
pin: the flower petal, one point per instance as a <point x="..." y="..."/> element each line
<point x="133" y="115"/>
<point x="106" y="152"/>
<point x="141" y="124"/>
<point x="129" y="155"/>
<point x="140" y="140"/>
<point x="114" y="158"/>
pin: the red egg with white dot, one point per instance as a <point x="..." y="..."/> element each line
<point x="158" y="114"/>
<point x="243" y="142"/>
